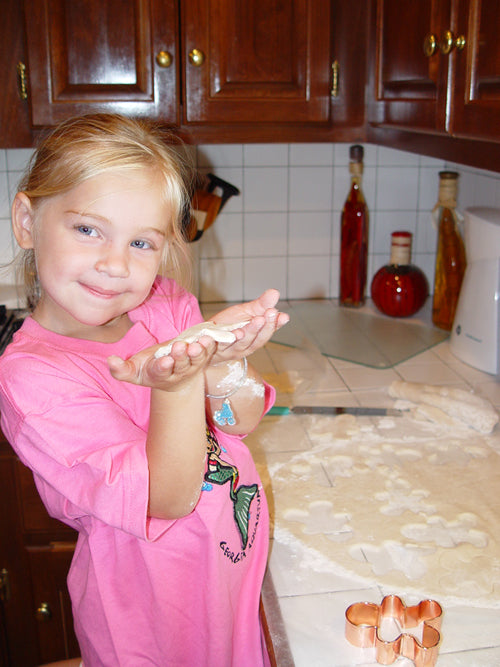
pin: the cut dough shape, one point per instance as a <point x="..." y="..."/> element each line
<point x="445" y="533"/>
<point x="222" y="333"/>
<point x="319" y="517"/>
<point x="392" y="555"/>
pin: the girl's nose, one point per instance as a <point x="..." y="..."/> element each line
<point x="113" y="262"/>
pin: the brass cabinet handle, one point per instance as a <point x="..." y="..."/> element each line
<point x="21" y="73"/>
<point x="449" y="42"/>
<point x="334" y="92"/>
<point x="4" y="585"/>
<point x="196" y="57"/>
<point x="43" y="613"/>
<point x="164" y="59"/>
<point x="430" y="45"/>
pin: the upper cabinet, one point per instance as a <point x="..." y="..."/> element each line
<point x="437" y="67"/>
<point x="210" y="66"/>
<point x="476" y="110"/>
<point x="86" y="55"/>
<point x="256" y="62"/>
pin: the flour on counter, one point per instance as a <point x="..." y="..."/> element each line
<point x="402" y="503"/>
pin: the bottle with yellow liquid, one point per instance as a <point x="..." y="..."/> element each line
<point x="450" y="254"/>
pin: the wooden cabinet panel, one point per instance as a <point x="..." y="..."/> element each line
<point x="17" y="624"/>
<point x="35" y="552"/>
<point x="15" y="130"/>
<point x="266" y="62"/>
<point x="410" y="87"/>
<point x="86" y="56"/>
<point x="262" y="62"/>
<point x="51" y="602"/>
<point x="476" y="109"/>
<point x="453" y="91"/>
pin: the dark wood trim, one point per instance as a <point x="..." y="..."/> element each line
<point x="273" y="626"/>
<point x="470" y="152"/>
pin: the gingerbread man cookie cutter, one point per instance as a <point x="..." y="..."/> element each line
<point x="363" y="621"/>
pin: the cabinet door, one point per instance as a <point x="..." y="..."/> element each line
<point x="409" y="86"/>
<point x="17" y="624"/>
<point x="257" y="61"/>
<point x="52" y="605"/>
<point x="476" y="102"/>
<point x="87" y="55"/>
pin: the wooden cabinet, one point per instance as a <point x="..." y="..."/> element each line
<point x="476" y="105"/>
<point x="257" y="62"/>
<point x="15" y="130"/>
<point x="437" y="67"/>
<point x="35" y="554"/>
<point x="86" y="55"/>
<point x="210" y="66"/>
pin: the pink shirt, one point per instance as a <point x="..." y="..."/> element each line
<point x="145" y="591"/>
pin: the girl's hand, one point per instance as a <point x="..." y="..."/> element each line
<point x="168" y="373"/>
<point x="263" y="321"/>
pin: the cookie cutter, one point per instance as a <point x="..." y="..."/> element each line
<point x="363" y="620"/>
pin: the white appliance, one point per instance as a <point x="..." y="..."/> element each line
<point x="475" y="336"/>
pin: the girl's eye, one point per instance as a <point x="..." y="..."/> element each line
<point x="141" y="244"/>
<point x="86" y="230"/>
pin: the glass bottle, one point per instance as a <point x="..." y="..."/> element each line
<point x="399" y="289"/>
<point x="450" y="254"/>
<point x="354" y="236"/>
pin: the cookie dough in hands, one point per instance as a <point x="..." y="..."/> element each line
<point x="221" y="333"/>
<point x="259" y="317"/>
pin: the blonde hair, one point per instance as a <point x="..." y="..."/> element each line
<point x="87" y="146"/>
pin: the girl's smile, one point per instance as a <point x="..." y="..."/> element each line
<point x="98" y="249"/>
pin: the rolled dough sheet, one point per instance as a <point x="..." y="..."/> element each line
<point x="408" y="505"/>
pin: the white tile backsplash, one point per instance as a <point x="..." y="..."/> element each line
<point x="260" y="273"/>
<point x="265" y="188"/>
<point x="308" y="277"/>
<point x="265" y="234"/>
<point x="283" y="230"/>
<point x="310" y="188"/>
<point x="311" y="155"/>
<point x="269" y="155"/>
<point x="225" y="240"/>
<point x="309" y="233"/>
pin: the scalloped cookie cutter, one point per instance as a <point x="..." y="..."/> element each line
<point x="363" y="620"/>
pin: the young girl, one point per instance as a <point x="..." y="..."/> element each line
<point x="140" y="452"/>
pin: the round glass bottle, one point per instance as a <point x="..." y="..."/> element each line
<point x="399" y="289"/>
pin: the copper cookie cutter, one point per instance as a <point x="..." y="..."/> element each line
<point x="363" y="620"/>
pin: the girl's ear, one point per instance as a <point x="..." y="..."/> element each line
<point x="22" y="220"/>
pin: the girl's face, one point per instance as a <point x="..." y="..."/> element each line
<point x="98" y="249"/>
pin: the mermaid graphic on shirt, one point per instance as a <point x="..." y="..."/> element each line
<point x="221" y="472"/>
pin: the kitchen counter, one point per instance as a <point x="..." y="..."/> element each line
<point x="312" y="604"/>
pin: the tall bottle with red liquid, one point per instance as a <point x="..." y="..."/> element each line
<point x="354" y="236"/>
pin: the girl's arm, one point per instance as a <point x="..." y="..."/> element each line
<point x="176" y="440"/>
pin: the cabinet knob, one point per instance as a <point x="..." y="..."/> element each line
<point x="430" y="45"/>
<point x="43" y="613"/>
<point x="164" y="59"/>
<point x="448" y="42"/>
<point x="196" y="57"/>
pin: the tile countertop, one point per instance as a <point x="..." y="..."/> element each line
<point x="313" y="604"/>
